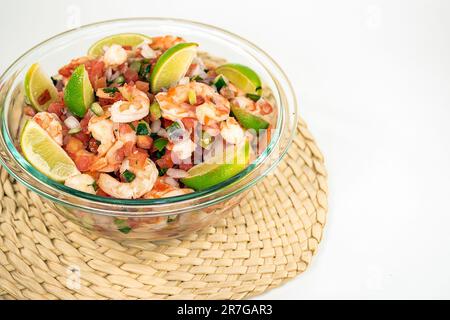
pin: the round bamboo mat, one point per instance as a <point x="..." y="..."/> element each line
<point x="266" y="240"/>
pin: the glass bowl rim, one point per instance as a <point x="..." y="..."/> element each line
<point x="198" y="195"/>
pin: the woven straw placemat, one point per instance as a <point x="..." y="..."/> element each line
<point x="266" y="240"/>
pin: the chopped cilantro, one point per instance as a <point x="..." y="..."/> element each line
<point x="110" y="90"/>
<point x="162" y="171"/>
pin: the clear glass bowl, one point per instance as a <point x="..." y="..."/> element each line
<point x="149" y="219"/>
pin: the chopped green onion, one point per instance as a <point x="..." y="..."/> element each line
<point x="74" y="130"/>
<point x="128" y="175"/>
<point x="159" y="154"/>
<point x="154" y="135"/>
<point x="220" y="82"/>
<point x="160" y="143"/>
<point x="97" y="109"/>
<point x="192" y="97"/>
<point x="162" y="171"/>
<point x="174" y="131"/>
<point x="135" y="66"/>
<point x="155" y="111"/>
<point x="142" y="128"/>
<point x="254" y="97"/>
<point x="206" y="139"/>
<point x="132" y="126"/>
<point x="119" y="80"/>
<point x="174" y="126"/>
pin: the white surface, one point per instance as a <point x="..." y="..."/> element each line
<point x="373" y="80"/>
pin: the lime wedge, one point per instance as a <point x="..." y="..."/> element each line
<point x="248" y="120"/>
<point x="172" y="65"/>
<point x="78" y="94"/>
<point x="241" y="76"/>
<point x="36" y="83"/>
<point x="210" y="173"/>
<point x="123" y="39"/>
<point x="45" y="154"/>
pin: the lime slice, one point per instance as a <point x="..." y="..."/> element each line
<point x="78" y="94"/>
<point x="36" y="83"/>
<point x="208" y="174"/>
<point x="249" y="120"/>
<point x="45" y="154"/>
<point x="123" y="39"/>
<point x="172" y="65"/>
<point x="241" y="76"/>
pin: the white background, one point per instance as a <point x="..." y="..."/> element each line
<point x="373" y="80"/>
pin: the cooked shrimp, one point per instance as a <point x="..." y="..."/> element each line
<point x="161" y="189"/>
<point x="136" y="106"/>
<point x="262" y="106"/>
<point x="165" y="42"/>
<point x="101" y="129"/>
<point x="82" y="182"/>
<point x="110" y="162"/>
<point x="231" y="131"/>
<point x="175" y="105"/>
<point x="230" y="91"/>
<point x="51" y="124"/>
<point x="183" y="149"/>
<point x="143" y="182"/>
<point x="115" y="55"/>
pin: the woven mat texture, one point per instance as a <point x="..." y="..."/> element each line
<point x="269" y="238"/>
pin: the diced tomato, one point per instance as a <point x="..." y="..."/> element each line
<point x="110" y="100"/>
<point x="166" y="123"/>
<point x="96" y="70"/>
<point x="189" y="123"/>
<point x="84" y="123"/>
<point x="83" y="160"/>
<point x="166" y="161"/>
<point x="128" y="148"/>
<point x="144" y="142"/>
<point x="83" y="137"/>
<point x="56" y="108"/>
<point x="29" y="111"/>
<point x="142" y="85"/>
<point x="44" y="97"/>
<point x="93" y="145"/>
<point x="127" y="47"/>
<point x="199" y="100"/>
<point x="131" y="75"/>
<point x="185" y="166"/>
<point x="102" y="193"/>
<point x="100" y="83"/>
<point x="138" y="158"/>
<point x="72" y="145"/>
<point x="67" y="70"/>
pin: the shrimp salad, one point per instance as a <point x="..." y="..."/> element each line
<point x="147" y="117"/>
